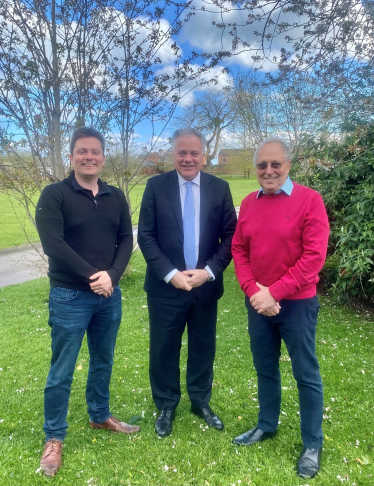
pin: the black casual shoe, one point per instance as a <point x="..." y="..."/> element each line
<point x="164" y="423"/>
<point x="207" y="414"/>
<point x="253" y="436"/>
<point x="309" y="462"/>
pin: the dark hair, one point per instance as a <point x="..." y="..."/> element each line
<point x="84" y="132"/>
<point x="188" y="132"/>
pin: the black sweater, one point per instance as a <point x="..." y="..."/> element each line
<point x="83" y="234"/>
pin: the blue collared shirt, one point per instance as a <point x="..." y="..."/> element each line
<point x="286" y="188"/>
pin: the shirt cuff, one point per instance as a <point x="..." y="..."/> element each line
<point x="170" y="275"/>
<point x="212" y="277"/>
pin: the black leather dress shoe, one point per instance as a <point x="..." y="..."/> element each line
<point x="164" y="423"/>
<point x="207" y="414"/>
<point x="309" y="462"/>
<point x="253" y="436"/>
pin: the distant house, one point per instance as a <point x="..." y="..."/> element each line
<point x="46" y="168"/>
<point x="227" y="156"/>
<point x="25" y="164"/>
<point x="236" y="160"/>
<point x="154" y="162"/>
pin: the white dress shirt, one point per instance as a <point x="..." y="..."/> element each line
<point x="196" y="199"/>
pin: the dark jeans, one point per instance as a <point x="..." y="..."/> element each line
<point x="167" y="321"/>
<point x="71" y="314"/>
<point x="296" y="325"/>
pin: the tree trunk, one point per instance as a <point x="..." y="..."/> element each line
<point x="55" y="136"/>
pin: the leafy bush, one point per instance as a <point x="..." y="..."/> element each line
<point x="346" y="182"/>
<point x="329" y="272"/>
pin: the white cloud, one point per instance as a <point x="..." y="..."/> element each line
<point x="188" y="90"/>
<point x="159" y="143"/>
<point x="201" y="34"/>
<point x="142" y="28"/>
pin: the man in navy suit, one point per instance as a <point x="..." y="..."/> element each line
<point x="186" y="224"/>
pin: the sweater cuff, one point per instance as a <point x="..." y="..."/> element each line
<point x="250" y="289"/>
<point x="278" y="291"/>
<point x="113" y="276"/>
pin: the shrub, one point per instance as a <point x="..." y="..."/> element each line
<point x="346" y="184"/>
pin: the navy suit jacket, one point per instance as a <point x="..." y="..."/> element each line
<point x="160" y="233"/>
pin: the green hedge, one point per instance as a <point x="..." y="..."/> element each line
<point x="344" y="175"/>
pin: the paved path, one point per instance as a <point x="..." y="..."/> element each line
<point x="19" y="264"/>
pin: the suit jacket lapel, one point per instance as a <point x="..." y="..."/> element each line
<point x="172" y="190"/>
<point x="206" y="196"/>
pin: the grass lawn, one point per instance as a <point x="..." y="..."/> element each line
<point x="240" y="188"/>
<point x="11" y="233"/>
<point x="193" y="454"/>
<point x="13" y="220"/>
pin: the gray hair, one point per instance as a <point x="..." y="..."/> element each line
<point x="188" y="132"/>
<point x="287" y="149"/>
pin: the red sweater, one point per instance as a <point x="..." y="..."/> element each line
<point x="281" y="242"/>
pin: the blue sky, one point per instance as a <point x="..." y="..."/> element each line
<point x="201" y="35"/>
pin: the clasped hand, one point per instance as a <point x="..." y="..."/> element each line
<point x="264" y="303"/>
<point x="102" y="284"/>
<point x="189" y="279"/>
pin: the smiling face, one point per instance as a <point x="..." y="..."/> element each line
<point x="271" y="180"/>
<point x="87" y="158"/>
<point x="188" y="156"/>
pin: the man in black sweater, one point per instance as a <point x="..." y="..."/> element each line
<point x="85" y="229"/>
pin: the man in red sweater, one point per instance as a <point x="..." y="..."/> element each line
<point x="278" y="249"/>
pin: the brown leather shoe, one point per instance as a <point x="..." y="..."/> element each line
<point x="51" y="458"/>
<point x="115" y="425"/>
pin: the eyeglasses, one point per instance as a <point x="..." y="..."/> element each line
<point x="273" y="165"/>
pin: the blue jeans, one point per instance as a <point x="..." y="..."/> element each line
<point x="71" y="314"/>
<point x="296" y="325"/>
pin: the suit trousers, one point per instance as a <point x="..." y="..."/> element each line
<point x="296" y="325"/>
<point x="168" y="318"/>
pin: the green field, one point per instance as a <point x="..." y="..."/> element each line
<point x="14" y="222"/>
<point x="240" y="188"/>
<point x="193" y="455"/>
